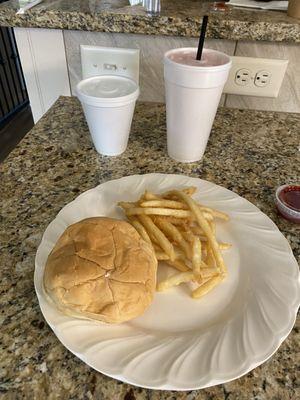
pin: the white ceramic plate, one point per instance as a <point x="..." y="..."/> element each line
<point x="180" y="343"/>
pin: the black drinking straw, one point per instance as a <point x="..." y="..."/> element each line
<point x="202" y="37"/>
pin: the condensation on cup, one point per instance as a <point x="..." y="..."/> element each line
<point x="193" y="91"/>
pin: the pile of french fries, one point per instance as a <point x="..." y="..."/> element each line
<point x="183" y="234"/>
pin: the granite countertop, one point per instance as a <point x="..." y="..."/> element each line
<point x="249" y="152"/>
<point x="177" y="18"/>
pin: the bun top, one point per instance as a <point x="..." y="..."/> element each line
<point x="100" y="268"/>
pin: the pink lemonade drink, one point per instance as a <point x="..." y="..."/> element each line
<point x="193" y="91"/>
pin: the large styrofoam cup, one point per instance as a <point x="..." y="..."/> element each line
<point x="108" y="102"/>
<point x="193" y="93"/>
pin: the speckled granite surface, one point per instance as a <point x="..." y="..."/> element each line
<point x="249" y="152"/>
<point x="177" y="18"/>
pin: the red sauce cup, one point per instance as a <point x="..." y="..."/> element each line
<point x="287" y="200"/>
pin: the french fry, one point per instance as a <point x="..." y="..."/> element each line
<point x="153" y="239"/>
<point x="173" y="220"/>
<point x="196" y="258"/>
<point x="210" y="259"/>
<point x="222" y="245"/>
<point x="206" y="287"/>
<point x="161" y="256"/>
<point x="158" y="211"/>
<point x="204" y="250"/>
<point x="208" y="216"/>
<point x="215" y="213"/>
<point x="204" y="225"/>
<point x="189" y="191"/>
<point x="175" y="280"/>
<point x="178" y="264"/>
<point x="188" y="236"/>
<point x="196" y="230"/>
<point x="180" y="258"/>
<point x="174" y="234"/>
<point x="225" y="246"/>
<point x="207" y="272"/>
<point x="150" y="196"/>
<point x="163" y="211"/>
<point x="212" y="225"/>
<point x="126" y="204"/>
<point x="179" y="254"/>
<point x="164" y="204"/>
<point x="141" y="230"/>
<point x="161" y="239"/>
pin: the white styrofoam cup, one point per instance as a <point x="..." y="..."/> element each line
<point x="192" y="97"/>
<point x="108" y="102"/>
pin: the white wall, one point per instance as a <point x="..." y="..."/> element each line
<point x="43" y="58"/>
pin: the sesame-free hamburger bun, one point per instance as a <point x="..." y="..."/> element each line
<point x="100" y="268"/>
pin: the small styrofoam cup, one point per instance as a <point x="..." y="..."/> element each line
<point x="108" y="102"/>
<point x="192" y="97"/>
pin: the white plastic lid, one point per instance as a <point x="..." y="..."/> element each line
<point x="107" y="89"/>
<point x="191" y="76"/>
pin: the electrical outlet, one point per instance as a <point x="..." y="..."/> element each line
<point x="96" y="60"/>
<point x="255" y="76"/>
<point x="262" y="78"/>
<point x="243" y="77"/>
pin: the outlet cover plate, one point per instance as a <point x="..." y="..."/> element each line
<point x="98" y="60"/>
<point x="276" y="69"/>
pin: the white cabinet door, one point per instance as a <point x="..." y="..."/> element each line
<point x="43" y="58"/>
